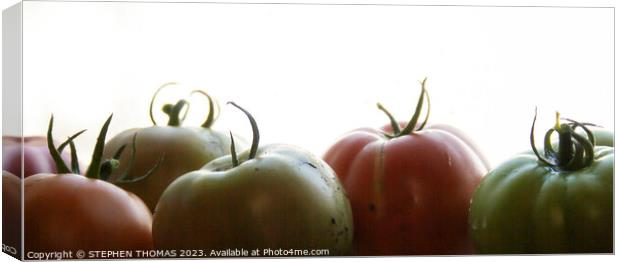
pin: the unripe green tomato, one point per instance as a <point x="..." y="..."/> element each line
<point x="181" y="149"/>
<point x="166" y="152"/>
<point x="284" y="198"/>
<point x="533" y="204"/>
<point x="277" y="197"/>
<point x="603" y="137"/>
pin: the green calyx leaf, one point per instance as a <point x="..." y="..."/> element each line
<point x="75" y="164"/>
<point x="233" y="151"/>
<point x="413" y="122"/>
<point x="178" y="112"/>
<point x="123" y="178"/>
<point x="255" y="137"/>
<point x="61" y="166"/>
<point x="212" y="116"/>
<point x="574" y="151"/>
<point x="98" y="169"/>
<point x="94" y="170"/>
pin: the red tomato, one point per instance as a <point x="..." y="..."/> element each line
<point x="37" y="158"/>
<point x="11" y="214"/>
<point x="70" y="212"/>
<point x="409" y="191"/>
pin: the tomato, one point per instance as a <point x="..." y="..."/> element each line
<point x="409" y="189"/>
<point x="37" y="158"/>
<point x="560" y="201"/>
<point x="70" y="212"/>
<point x="11" y="214"/>
<point x="276" y="196"/>
<point x="603" y="137"/>
<point x="180" y="150"/>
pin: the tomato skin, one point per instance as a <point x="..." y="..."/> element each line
<point x="183" y="149"/>
<point x="410" y="194"/>
<point x="37" y="158"/>
<point x="72" y="212"/>
<point x="11" y="213"/>
<point x="603" y="137"/>
<point x="284" y="198"/>
<point x="526" y="207"/>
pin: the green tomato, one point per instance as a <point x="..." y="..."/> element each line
<point x="603" y="137"/>
<point x="278" y="196"/>
<point x="165" y="153"/>
<point x="535" y="204"/>
<point x="180" y="150"/>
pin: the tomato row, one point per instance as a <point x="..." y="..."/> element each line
<point x="407" y="188"/>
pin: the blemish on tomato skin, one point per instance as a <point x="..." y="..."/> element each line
<point x="310" y="164"/>
<point x="371" y="207"/>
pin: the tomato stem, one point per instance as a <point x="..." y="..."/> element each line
<point x="153" y="100"/>
<point x="174" y="111"/>
<point x="565" y="146"/>
<point x="255" y="133"/>
<point x="110" y="165"/>
<point x="413" y="122"/>
<point x="574" y="150"/>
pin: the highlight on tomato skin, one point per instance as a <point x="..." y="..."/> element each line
<point x="37" y="158"/>
<point x="67" y="211"/>
<point x="177" y="148"/>
<point x="557" y="199"/>
<point x="409" y="185"/>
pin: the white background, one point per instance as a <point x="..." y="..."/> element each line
<point x="309" y="73"/>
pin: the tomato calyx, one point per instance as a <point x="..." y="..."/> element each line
<point x="99" y="168"/>
<point x="255" y="137"/>
<point x="61" y="167"/>
<point x="413" y="122"/>
<point x="178" y="112"/>
<point x="574" y="151"/>
<point x="114" y="163"/>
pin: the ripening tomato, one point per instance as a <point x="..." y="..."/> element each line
<point x="175" y="149"/>
<point x="69" y="212"/>
<point x="409" y="189"/>
<point x="11" y="214"/>
<point x="37" y="158"/>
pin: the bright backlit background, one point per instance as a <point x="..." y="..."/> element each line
<point x="310" y="73"/>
